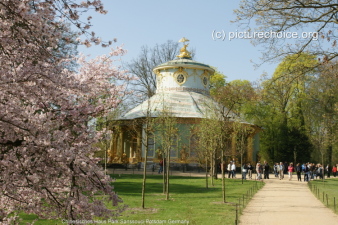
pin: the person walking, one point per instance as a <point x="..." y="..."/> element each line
<point x="266" y="170"/>
<point x="281" y="170"/>
<point x="299" y="171"/>
<point x="259" y="171"/>
<point x="250" y="168"/>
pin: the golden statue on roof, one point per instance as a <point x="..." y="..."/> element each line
<point x="184" y="53"/>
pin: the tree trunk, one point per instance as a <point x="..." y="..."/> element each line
<point x="223" y="175"/>
<point x="212" y="168"/>
<point x="168" y="167"/>
<point x="164" y="176"/>
<point x="206" y="173"/>
<point x="323" y="167"/>
<point x="329" y="154"/>
<point x="145" y="169"/>
<point x="242" y="163"/>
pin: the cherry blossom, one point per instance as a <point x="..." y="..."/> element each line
<point x="47" y="163"/>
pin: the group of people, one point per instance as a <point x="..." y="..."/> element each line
<point x="247" y="169"/>
<point x="309" y="170"/>
<point x="281" y="168"/>
<point x="261" y="169"/>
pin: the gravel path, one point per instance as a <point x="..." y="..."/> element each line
<point x="286" y="202"/>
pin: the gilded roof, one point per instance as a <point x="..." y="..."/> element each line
<point x="183" y="63"/>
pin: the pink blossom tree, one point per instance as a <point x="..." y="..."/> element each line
<point x="47" y="165"/>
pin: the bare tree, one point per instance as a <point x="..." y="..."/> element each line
<point x="142" y="66"/>
<point x="143" y="129"/>
<point x="167" y="135"/>
<point x="209" y="137"/>
<point x="313" y="22"/>
<point x="241" y="131"/>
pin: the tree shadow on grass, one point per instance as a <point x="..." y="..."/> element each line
<point x="131" y="185"/>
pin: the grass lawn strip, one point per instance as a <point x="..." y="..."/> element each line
<point x="330" y="189"/>
<point x="190" y="202"/>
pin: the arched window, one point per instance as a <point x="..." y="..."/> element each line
<point x="173" y="147"/>
<point x="193" y="145"/>
<point x="151" y="145"/>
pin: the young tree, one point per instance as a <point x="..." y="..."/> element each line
<point x="167" y="133"/>
<point x="209" y="139"/>
<point x="230" y="100"/>
<point x="241" y="131"/>
<point x="147" y="130"/>
<point x="46" y="149"/>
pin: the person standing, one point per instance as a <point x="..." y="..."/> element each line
<point x="281" y="170"/>
<point x="229" y="169"/>
<point x="286" y="166"/>
<point x="312" y="169"/>
<point x="306" y="173"/>
<point x="328" y="170"/>
<point x="320" y="171"/>
<point x="233" y="169"/>
<point x="266" y="169"/>
<point x="315" y="173"/>
<point x="244" y="171"/>
<point x="299" y="171"/>
<point x="275" y="169"/>
<point x="259" y="171"/>
<point x="334" y="170"/>
<point x="250" y="168"/>
<point x="290" y="170"/>
<point x="161" y="166"/>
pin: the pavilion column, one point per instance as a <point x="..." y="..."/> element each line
<point x="233" y="146"/>
<point x="250" y="149"/>
<point x="139" y="145"/>
<point x="120" y="145"/>
<point x="112" y="149"/>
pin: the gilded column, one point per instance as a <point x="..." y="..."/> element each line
<point x="138" y="145"/>
<point x="120" y="146"/>
<point x="233" y="146"/>
<point x="250" y="149"/>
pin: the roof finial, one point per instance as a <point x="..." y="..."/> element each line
<point x="184" y="53"/>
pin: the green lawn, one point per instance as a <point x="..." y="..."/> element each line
<point x="189" y="200"/>
<point x="330" y="189"/>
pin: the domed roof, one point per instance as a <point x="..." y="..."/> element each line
<point x="186" y="63"/>
<point x="182" y="88"/>
<point x="180" y="104"/>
